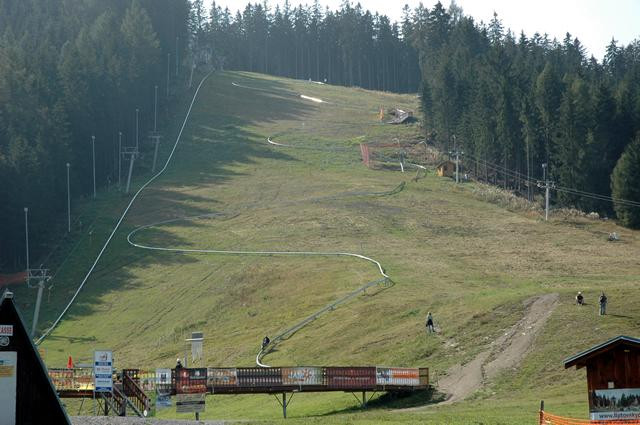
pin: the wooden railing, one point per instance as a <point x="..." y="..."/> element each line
<point x="134" y="392"/>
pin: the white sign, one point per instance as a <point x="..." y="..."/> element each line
<point x="163" y="376"/>
<point x="8" y="374"/>
<point x="103" y="371"/>
<point x="615" y="404"/>
<point x="612" y="416"/>
<point x="6" y="330"/>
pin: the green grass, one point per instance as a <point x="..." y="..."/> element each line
<point x="469" y="261"/>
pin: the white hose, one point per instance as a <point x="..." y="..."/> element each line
<point x="115" y="229"/>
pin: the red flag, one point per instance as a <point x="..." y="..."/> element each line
<point x="70" y="363"/>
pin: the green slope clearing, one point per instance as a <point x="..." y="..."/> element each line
<point x="473" y="263"/>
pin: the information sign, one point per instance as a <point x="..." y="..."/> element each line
<point x="616" y="404"/>
<point x="103" y="371"/>
<point x="190" y="403"/>
<point x="8" y="372"/>
<point x="163" y="376"/>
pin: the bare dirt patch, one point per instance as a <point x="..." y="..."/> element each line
<point x="506" y="352"/>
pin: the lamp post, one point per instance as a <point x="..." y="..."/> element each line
<point x="546" y="192"/>
<point x="137" y="111"/>
<point x="68" y="201"/>
<point x="93" y="151"/>
<point x="168" y="72"/>
<point x="119" y="159"/>
<point x="155" y="108"/>
<point x="26" y="234"/>
<point x="177" y="55"/>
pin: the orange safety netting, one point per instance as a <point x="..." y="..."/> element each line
<point x="549" y="419"/>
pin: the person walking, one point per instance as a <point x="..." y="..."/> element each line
<point x="430" y="327"/>
<point x="579" y="298"/>
<point x="603" y="304"/>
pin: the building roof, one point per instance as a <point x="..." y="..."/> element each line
<point x="579" y="360"/>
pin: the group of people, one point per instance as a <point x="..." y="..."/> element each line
<point x="602" y="301"/>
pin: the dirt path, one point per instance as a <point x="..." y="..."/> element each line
<point x="506" y="352"/>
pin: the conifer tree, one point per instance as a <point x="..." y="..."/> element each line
<point x="624" y="185"/>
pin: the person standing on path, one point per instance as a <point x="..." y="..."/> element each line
<point x="603" y="304"/>
<point x="430" y="327"/>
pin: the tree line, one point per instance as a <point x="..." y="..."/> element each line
<point x="511" y="103"/>
<point x="350" y="46"/>
<point x="70" y="70"/>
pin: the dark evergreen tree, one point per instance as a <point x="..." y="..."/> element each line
<point x="624" y="185"/>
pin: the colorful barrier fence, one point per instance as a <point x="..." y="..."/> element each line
<point x="253" y="379"/>
<point x="549" y="419"/>
<point x="77" y="379"/>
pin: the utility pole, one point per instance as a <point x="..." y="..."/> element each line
<point x="546" y="184"/>
<point x="155" y="135"/>
<point x="26" y="234"/>
<point x="457" y="155"/>
<point x="168" y="72"/>
<point x="68" y="201"/>
<point x="93" y="150"/>
<point x="42" y="276"/>
<point x="137" y="111"/>
<point x="155" y="108"/>
<point x="119" y="160"/>
<point x="132" y="152"/>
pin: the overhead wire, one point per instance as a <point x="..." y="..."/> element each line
<point x="572" y="191"/>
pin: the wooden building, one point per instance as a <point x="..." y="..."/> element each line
<point x="613" y="378"/>
<point x="447" y="169"/>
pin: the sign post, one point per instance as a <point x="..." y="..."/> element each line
<point x="163" y="388"/>
<point x="103" y="371"/>
<point x="191" y="389"/>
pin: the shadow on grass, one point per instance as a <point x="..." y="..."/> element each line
<point x="396" y="400"/>
<point x="215" y="138"/>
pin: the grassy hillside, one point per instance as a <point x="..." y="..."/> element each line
<point x="447" y="250"/>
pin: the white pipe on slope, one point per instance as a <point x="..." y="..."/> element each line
<point x="115" y="229"/>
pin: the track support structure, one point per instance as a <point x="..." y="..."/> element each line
<point x="284" y="403"/>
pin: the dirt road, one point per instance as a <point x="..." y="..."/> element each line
<point x="506" y="352"/>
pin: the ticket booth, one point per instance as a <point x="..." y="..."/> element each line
<point x="613" y="378"/>
<point x="26" y="393"/>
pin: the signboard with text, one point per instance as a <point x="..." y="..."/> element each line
<point x="612" y="404"/>
<point x="190" y="381"/>
<point x="6" y="330"/>
<point x="103" y="371"/>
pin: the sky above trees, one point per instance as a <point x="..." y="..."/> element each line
<point x="594" y="22"/>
